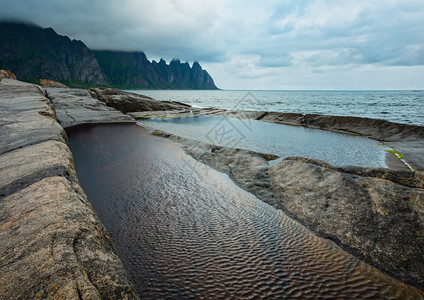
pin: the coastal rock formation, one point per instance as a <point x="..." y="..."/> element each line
<point x="52" y="245"/>
<point x="129" y="102"/>
<point x="77" y="106"/>
<point x="381" y="219"/>
<point x="32" y="52"/>
<point x="132" y="70"/>
<point x="46" y="83"/>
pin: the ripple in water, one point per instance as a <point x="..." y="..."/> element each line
<point x="185" y="231"/>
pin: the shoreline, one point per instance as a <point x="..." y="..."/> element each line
<point x="78" y="107"/>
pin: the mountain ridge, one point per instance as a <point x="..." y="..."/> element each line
<point x="34" y="53"/>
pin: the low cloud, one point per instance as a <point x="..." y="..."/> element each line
<point x="248" y="40"/>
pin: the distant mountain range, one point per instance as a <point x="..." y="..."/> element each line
<point x="33" y="53"/>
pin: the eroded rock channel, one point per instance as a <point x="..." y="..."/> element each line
<point x="184" y="230"/>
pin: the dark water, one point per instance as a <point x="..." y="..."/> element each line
<point x="397" y="106"/>
<point x="282" y="140"/>
<point x="187" y="232"/>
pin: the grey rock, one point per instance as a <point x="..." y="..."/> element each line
<point x="26" y="116"/>
<point x="380" y="219"/>
<point x="130" y="102"/>
<point x="52" y="245"/>
<point x="77" y="106"/>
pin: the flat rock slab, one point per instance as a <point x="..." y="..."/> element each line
<point x="130" y="102"/>
<point x="377" y="213"/>
<point x="77" y="106"/>
<point x="52" y="245"/>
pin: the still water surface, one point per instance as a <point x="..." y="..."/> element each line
<point x="187" y="233"/>
<point x="282" y="140"/>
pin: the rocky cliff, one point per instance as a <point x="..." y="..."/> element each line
<point x="133" y="70"/>
<point x="32" y="52"/>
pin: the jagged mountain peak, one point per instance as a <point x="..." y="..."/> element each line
<point x="35" y="53"/>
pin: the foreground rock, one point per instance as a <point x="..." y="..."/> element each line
<point x="77" y="106"/>
<point x="52" y="245"/>
<point x="376" y="214"/>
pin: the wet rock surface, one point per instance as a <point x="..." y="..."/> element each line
<point x="77" y="106"/>
<point x="52" y="245"/>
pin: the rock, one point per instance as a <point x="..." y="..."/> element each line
<point x="51" y="84"/>
<point x="26" y="116"/>
<point x="129" y="102"/>
<point x="77" y="106"/>
<point x="378" y="214"/>
<point x="52" y="245"/>
<point x="7" y="74"/>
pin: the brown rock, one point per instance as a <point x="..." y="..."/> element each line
<point x="7" y="74"/>
<point x="51" y="84"/>
<point x="380" y="219"/>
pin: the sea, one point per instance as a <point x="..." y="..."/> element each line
<point x="405" y="106"/>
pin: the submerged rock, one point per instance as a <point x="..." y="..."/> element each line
<point x="52" y="245"/>
<point x="379" y="218"/>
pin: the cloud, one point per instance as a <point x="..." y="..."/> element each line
<point x="245" y="41"/>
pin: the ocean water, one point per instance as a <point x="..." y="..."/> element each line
<point x="397" y="106"/>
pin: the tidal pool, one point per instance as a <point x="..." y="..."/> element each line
<point x="282" y="140"/>
<point x="185" y="232"/>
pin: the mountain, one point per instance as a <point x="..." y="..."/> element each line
<point x="33" y="53"/>
<point x="133" y="70"/>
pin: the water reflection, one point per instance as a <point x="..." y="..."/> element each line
<point x="185" y="234"/>
<point x="282" y="140"/>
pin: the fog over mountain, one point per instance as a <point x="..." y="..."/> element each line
<point x="303" y="44"/>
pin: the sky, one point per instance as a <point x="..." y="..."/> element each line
<point x="252" y="45"/>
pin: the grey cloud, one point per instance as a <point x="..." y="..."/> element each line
<point x="270" y="37"/>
